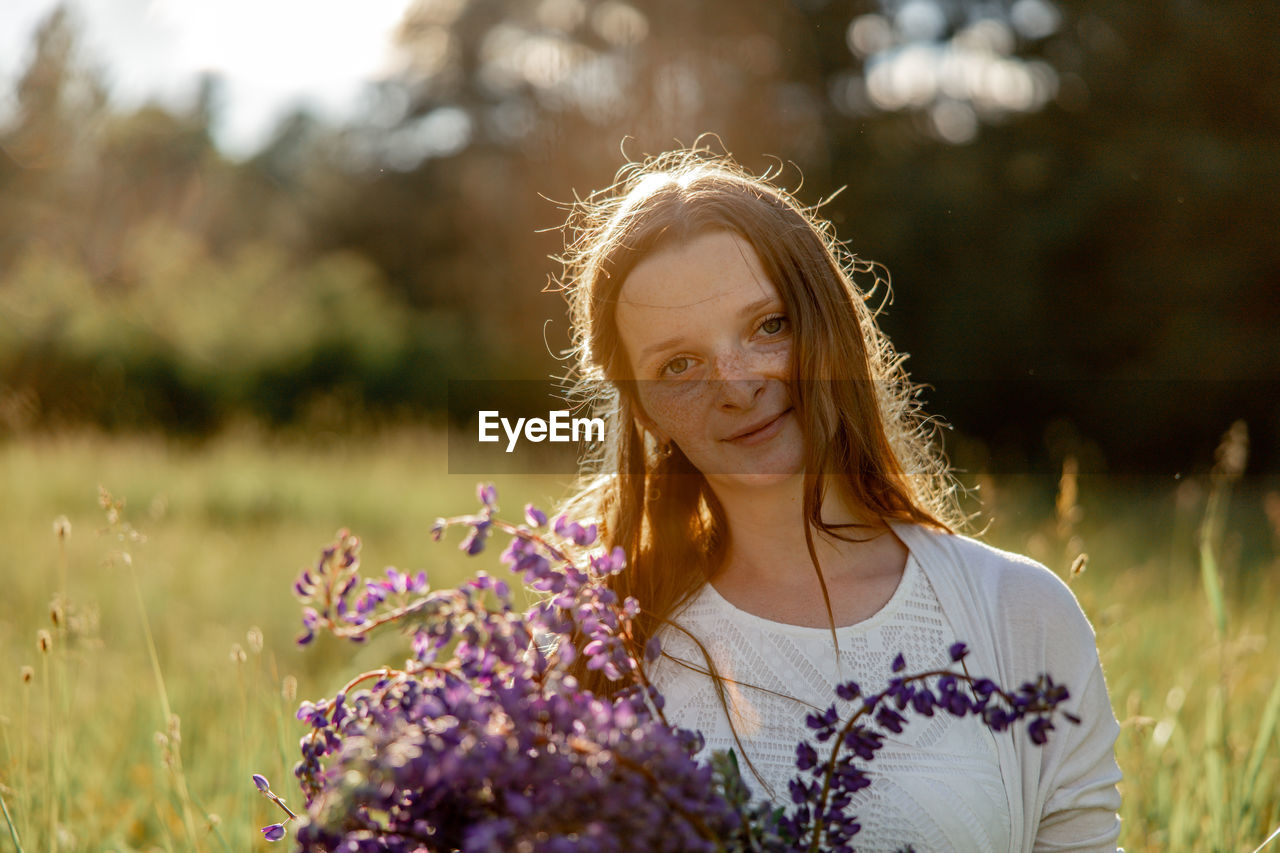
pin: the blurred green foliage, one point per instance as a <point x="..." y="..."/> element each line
<point x="194" y="337"/>
<point x="1068" y="190"/>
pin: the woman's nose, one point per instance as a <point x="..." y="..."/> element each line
<point x="737" y="381"/>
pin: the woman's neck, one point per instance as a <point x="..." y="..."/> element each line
<point x="767" y="532"/>
<point x="767" y="570"/>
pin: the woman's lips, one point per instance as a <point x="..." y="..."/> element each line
<point x="761" y="433"/>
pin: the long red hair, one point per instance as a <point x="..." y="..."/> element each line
<point x="865" y="435"/>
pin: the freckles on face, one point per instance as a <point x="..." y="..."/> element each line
<point x="709" y="344"/>
<point x="675" y="408"/>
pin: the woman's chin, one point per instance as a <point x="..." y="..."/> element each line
<point x="756" y="480"/>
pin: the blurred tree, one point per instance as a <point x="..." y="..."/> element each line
<point x="1116" y="240"/>
<point x="57" y="97"/>
<point x="146" y="280"/>
<point x="502" y="105"/>
<point x="1041" y="177"/>
<point x="1083" y="191"/>
<point x="50" y="143"/>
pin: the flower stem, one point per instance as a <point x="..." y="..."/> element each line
<point x="54" y="793"/>
<point x="179" y="777"/>
<point x="13" y="830"/>
<point x="868" y="706"/>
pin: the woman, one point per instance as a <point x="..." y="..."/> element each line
<point x="789" y="524"/>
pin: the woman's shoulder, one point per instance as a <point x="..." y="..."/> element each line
<point x="1015" y="586"/>
<point x="979" y="561"/>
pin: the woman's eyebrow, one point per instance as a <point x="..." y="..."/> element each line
<point x="759" y="305"/>
<point x="669" y="343"/>
<point x="652" y="349"/>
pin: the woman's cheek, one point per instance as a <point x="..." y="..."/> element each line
<point x="674" y="403"/>
<point x="780" y="361"/>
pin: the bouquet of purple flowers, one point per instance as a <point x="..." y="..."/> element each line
<point x="483" y="741"/>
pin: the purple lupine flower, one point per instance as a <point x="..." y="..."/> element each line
<point x="863" y="742"/>
<point x="261" y="782"/>
<point x="474" y="542"/>
<point x="534" y="516"/>
<point x="1039" y="730"/>
<point x="848" y="691"/>
<point x="824" y="724"/>
<point x="561" y="525"/>
<point x="309" y="621"/>
<point x="609" y="564"/>
<point x="890" y="719"/>
<point x="923" y="703"/>
<point x="274" y="832"/>
<point x="806" y="756"/>
<point x="585" y="535"/>
<point x="901" y="690"/>
<point x="996" y="719"/>
<point x="573" y="531"/>
<point x="801" y="792"/>
<point x="496" y="743"/>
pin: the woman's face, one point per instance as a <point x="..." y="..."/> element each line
<point x="709" y="343"/>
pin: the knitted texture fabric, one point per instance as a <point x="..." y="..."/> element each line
<point x="936" y="786"/>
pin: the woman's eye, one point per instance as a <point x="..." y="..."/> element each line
<point x="773" y="325"/>
<point x="675" y="366"/>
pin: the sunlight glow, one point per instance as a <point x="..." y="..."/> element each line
<point x="289" y="41"/>
<point x="271" y="56"/>
<point x="973" y="75"/>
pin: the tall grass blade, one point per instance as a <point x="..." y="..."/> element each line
<point x="1272" y="837"/>
<point x="1231" y="455"/>
<point x="51" y="769"/>
<point x="13" y="830"/>
<point x="183" y="795"/>
<point x="1215" y="771"/>
<point x="1212" y="578"/>
<point x="212" y="824"/>
<point x="156" y="671"/>
<point x="1183" y="821"/>
<point x="1266" y="730"/>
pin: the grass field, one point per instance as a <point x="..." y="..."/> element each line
<point x="197" y="622"/>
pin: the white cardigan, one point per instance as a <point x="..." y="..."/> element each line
<point x="1019" y="620"/>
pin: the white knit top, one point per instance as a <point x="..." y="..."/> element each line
<point x="936" y="786"/>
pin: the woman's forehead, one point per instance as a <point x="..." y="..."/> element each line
<point x="716" y="269"/>
<point x="688" y="292"/>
